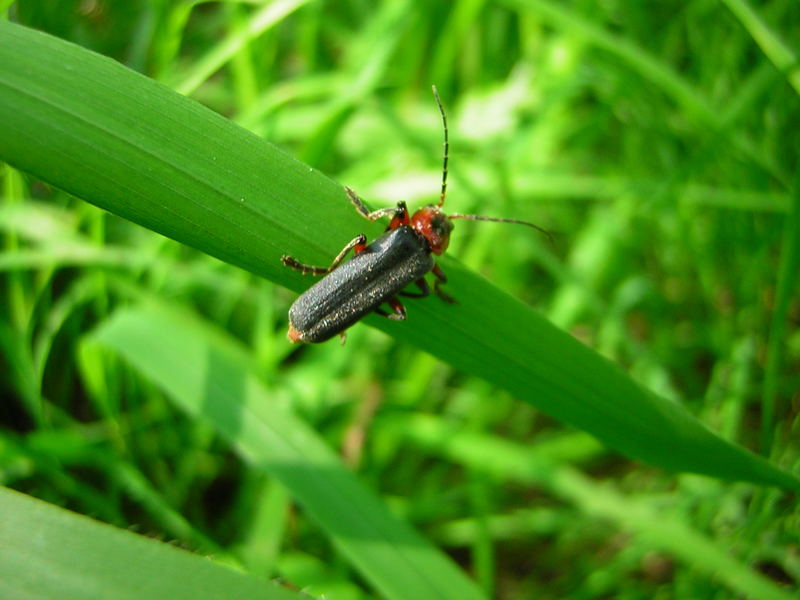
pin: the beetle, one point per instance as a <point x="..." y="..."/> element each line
<point x="379" y="272"/>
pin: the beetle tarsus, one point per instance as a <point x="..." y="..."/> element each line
<point x="399" y="311"/>
<point x="305" y="269"/>
<point x="441" y="279"/>
<point x="443" y="295"/>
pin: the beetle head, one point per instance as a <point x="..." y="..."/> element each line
<point x="432" y="224"/>
<point x="435" y="226"/>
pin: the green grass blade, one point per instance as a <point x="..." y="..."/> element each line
<point x="271" y="14"/>
<point x="786" y="288"/>
<point x="779" y="53"/>
<point x="48" y="552"/>
<point x="654" y="525"/>
<point x="210" y="378"/>
<point x="645" y="64"/>
<point x="116" y="139"/>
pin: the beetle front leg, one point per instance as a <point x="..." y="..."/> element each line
<point x="441" y="279"/>
<point x="362" y="209"/>
<point x="399" y="214"/>
<point x="358" y="244"/>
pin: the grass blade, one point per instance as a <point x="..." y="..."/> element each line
<point x="261" y="21"/>
<point x="48" y="552"/>
<point x="656" y="526"/>
<point x="779" y="53"/>
<point x="209" y="378"/>
<point x="787" y="284"/>
<point x="134" y="147"/>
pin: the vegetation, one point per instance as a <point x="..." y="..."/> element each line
<point x="474" y="450"/>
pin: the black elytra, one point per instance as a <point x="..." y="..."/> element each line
<point x="359" y="286"/>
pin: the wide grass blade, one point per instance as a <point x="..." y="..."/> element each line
<point x="48" y="552"/>
<point x="121" y="141"/>
<point x="207" y="376"/>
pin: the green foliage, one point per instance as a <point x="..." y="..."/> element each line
<point x="47" y="552"/>
<point x="212" y="379"/>
<point x="652" y="140"/>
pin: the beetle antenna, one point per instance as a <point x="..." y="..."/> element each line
<point x="446" y="146"/>
<point x="499" y="220"/>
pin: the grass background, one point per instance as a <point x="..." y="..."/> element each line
<point x="655" y="142"/>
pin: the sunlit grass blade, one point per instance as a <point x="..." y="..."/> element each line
<point x="268" y="16"/>
<point x="116" y="139"/>
<point x="648" y="66"/>
<point x="674" y="84"/>
<point x="207" y="376"/>
<point x="48" y="552"/>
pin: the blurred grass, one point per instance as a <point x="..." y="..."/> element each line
<point x="44" y="547"/>
<point x="655" y="140"/>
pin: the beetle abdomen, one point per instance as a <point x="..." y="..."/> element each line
<point x="360" y="285"/>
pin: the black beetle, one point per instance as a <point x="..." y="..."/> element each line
<point x="380" y="271"/>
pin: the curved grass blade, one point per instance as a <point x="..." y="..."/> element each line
<point x="48" y="552"/>
<point x="210" y="378"/>
<point x="121" y="141"/>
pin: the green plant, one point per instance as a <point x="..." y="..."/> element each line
<point x="127" y="144"/>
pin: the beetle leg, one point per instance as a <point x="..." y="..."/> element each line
<point x="362" y="209"/>
<point x="343" y="336"/>
<point x="399" y="313"/>
<point x="422" y="285"/>
<point x="358" y="244"/>
<point x="399" y="214"/>
<point x="399" y="310"/>
<point x="441" y="279"/>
